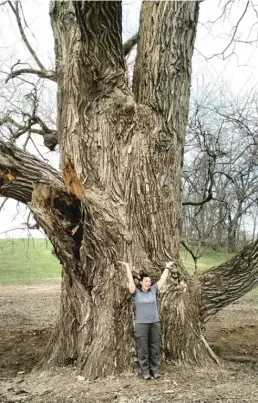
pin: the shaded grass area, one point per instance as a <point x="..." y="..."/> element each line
<point x="30" y="260"/>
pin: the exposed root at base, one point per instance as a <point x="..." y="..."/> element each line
<point x="210" y="352"/>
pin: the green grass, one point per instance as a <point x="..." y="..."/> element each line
<point x="27" y="261"/>
<point x="31" y="261"/>
<point x="210" y="258"/>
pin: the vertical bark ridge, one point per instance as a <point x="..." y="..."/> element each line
<point x="183" y="337"/>
<point x="163" y="63"/>
<point x="101" y="26"/>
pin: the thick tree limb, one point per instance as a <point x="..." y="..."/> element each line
<point x="104" y="59"/>
<point x="31" y="181"/>
<point x="20" y="172"/>
<point x="155" y="76"/>
<point x="226" y="283"/>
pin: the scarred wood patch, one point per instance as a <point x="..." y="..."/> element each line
<point x="6" y="176"/>
<point x="71" y="181"/>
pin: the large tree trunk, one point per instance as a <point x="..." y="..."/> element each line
<point x="121" y="155"/>
<point x="121" y="159"/>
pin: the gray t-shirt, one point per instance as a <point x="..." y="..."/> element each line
<point x="146" y="305"/>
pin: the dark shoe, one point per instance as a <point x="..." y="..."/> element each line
<point x="146" y="377"/>
<point x="154" y="375"/>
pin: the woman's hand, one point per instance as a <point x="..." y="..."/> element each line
<point x="125" y="264"/>
<point x="169" y="264"/>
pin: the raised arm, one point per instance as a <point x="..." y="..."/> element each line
<point x="164" y="275"/>
<point x="131" y="284"/>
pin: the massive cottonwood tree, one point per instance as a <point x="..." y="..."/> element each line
<point x="118" y="193"/>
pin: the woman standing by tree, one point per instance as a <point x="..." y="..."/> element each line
<point x="147" y="322"/>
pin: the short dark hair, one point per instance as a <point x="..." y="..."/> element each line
<point x="143" y="275"/>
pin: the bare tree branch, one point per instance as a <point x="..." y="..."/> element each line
<point x="128" y="45"/>
<point x="235" y="30"/>
<point x="43" y="72"/>
<point x="195" y="258"/>
<point x="210" y="188"/>
<point x="16" y="12"/>
<point x="3" y="203"/>
<point x="49" y="135"/>
<point x="48" y="74"/>
<point x="200" y="203"/>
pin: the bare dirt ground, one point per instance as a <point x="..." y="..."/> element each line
<point x="27" y="317"/>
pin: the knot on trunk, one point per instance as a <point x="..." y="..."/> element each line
<point x="124" y="103"/>
<point x="51" y="140"/>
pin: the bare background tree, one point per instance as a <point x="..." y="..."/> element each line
<point x="221" y="172"/>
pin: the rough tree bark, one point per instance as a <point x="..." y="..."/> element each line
<point x="119" y="195"/>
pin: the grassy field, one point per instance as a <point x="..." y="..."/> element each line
<point x="27" y="261"/>
<point x="31" y="261"/>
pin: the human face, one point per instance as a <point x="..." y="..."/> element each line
<point x="146" y="283"/>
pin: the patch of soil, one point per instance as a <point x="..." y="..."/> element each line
<point x="22" y="349"/>
<point x="27" y="318"/>
<point x="232" y="333"/>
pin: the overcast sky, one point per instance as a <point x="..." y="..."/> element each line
<point x="238" y="72"/>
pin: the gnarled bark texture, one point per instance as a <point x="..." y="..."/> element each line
<point x="119" y="194"/>
<point x="121" y="155"/>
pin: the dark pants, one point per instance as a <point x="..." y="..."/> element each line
<point x="148" y="346"/>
